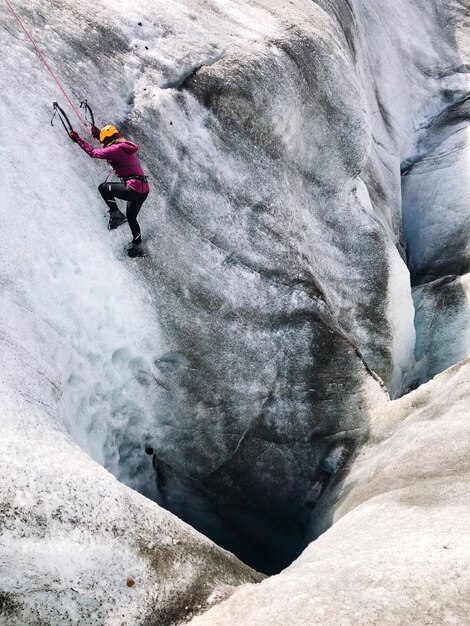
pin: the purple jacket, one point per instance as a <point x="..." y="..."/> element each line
<point x="122" y="157"/>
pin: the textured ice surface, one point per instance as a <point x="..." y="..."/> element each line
<point x="396" y="553"/>
<point x="436" y="219"/>
<point x="246" y="351"/>
<point x="78" y="547"/>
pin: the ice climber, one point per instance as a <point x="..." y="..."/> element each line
<point x="120" y="154"/>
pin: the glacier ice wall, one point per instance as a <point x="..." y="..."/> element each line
<point x="314" y="126"/>
<point x="435" y="194"/>
<point x="78" y="335"/>
<point x="249" y="351"/>
<point x="396" y="552"/>
<point x="78" y="547"/>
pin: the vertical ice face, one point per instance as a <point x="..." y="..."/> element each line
<point x="442" y="325"/>
<point x="395" y="549"/>
<point x="417" y="96"/>
<point x="78" y="337"/>
<point x="436" y="218"/>
<point x="77" y="322"/>
<point x="286" y="294"/>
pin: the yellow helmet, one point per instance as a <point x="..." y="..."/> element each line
<point x="108" y="131"/>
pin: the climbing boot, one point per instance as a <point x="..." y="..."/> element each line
<point x="136" y="250"/>
<point x="116" y="218"/>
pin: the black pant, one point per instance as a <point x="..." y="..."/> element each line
<point x="110" y="191"/>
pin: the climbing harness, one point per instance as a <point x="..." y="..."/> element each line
<point x="134" y="177"/>
<point x="46" y="65"/>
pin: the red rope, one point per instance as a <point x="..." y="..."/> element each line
<point x="46" y="65"/>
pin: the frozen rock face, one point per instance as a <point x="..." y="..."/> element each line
<point x="395" y="553"/>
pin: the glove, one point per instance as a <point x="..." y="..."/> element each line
<point x="95" y="131"/>
<point x="74" y="136"/>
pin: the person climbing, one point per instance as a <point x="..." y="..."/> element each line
<point x="120" y="154"/>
